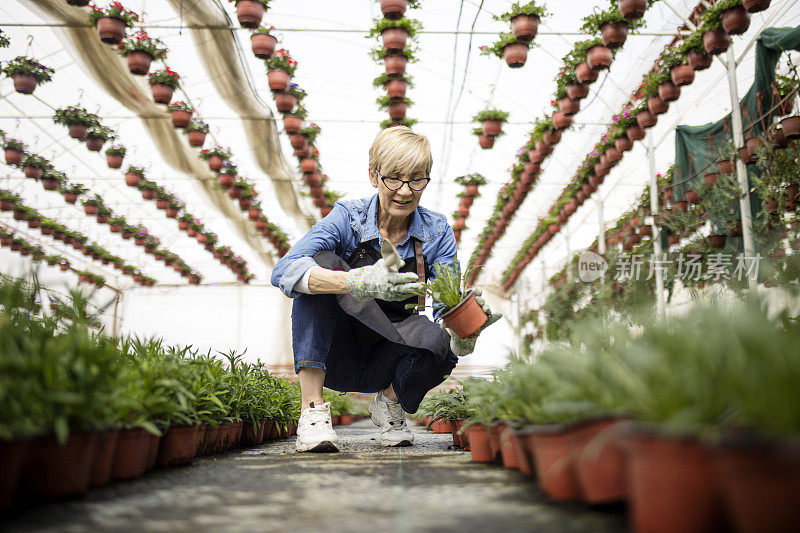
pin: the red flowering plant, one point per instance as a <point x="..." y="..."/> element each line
<point x="311" y="131"/>
<point x="166" y="76"/>
<point x="114" y="10"/>
<point x="281" y="60"/>
<point x="219" y="151"/>
<point x="141" y="42"/>
<point x="180" y="105"/>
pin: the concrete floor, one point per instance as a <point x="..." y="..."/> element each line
<point x="427" y="487"/>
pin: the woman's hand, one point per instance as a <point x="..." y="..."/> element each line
<point x="377" y="281"/>
<point x="466" y="346"/>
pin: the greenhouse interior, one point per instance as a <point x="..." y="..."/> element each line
<point x="590" y="206"/>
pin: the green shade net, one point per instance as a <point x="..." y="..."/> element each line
<point x="697" y="148"/>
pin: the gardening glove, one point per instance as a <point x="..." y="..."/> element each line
<point x="466" y="346"/>
<point x="381" y="282"/>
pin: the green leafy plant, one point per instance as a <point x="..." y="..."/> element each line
<point x="13" y="144"/>
<point x="411" y="26"/>
<point x="75" y="115"/>
<point x="142" y="42"/>
<point x="180" y="105"/>
<point x="531" y="8"/>
<point x="27" y="65"/>
<point x="166" y="75"/>
<point x="281" y="60"/>
<point x="37" y="161"/>
<point x="491" y="114"/>
<point x="384" y="78"/>
<point x="113" y="10"/>
<point x="447" y="287"/>
<point x="388" y="123"/>
<point x="384" y="101"/>
<point x="471" y="179"/>
<point x="197" y="125"/>
<point x="117" y="149"/>
<point x="133" y="169"/>
<point x="496" y="49"/>
<point x="379" y="54"/>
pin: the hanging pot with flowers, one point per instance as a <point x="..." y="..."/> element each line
<point x="148" y="189"/>
<point x="72" y="191"/>
<point x="395" y="33"/>
<point x="115" y="155"/>
<point x="134" y="176"/>
<point x="263" y="42"/>
<point x="395" y="85"/>
<point x="598" y="56"/>
<point x="394" y="62"/>
<point x="111" y="22"/>
<point x="174" y="207"/>
<point x="97" y="136"/>
<point x="632" y="9"/>
<point x="196" y="132"/>
<point x="163" y="199"/>
<point x="396" y="107"/>
<point x="280" y="69"/>
<point x="524" y="20"/>
<point x="14" y="151"/>
<point x="77" y="119"/>
<point x="92" y="205"/>
<point x="185" y="221"/>
<point x="34" y="165"/>
<point x="508" y="48"/>
<point x="181" y="113"/>
<point x="484" y="141"/>
<point x="492" y="121"/>
<point x="140" y="50"/>
<point x="27" y="74"/>
<point x="52" y="179"/>
<point x="216" y="157"/>
<point x="395" y="9"/>
<point x="611" y="25"/>
<point x="227" y="176"/>
<point x="163" y="83"/>
<point x="285" y="101"/>
<point x="293" y="122"/>
<point x="250" y="12"/>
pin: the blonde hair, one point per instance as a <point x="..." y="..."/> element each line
<point x="398" y="151"/>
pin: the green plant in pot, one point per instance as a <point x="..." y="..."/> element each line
<point x="27" y="73"/>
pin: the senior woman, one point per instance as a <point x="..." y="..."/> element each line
<point x="351" y="331"/>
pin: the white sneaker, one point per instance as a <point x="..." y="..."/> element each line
<point x="315" y="430"/>
<point x="392" y="421"/>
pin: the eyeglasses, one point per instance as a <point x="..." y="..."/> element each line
<point x="394" y="184"/>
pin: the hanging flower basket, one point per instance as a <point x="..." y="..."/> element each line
<point x="682" y="75"/>
<point x="599" y="57"/>
<point x="791" y="127"/>
<point x="635" y="132"/>
<point x="292" y="123"/>
<point x="163" y="84"/>
<point x="216" y="157"/>
<point x="50" y="182"/>
<point x="226" y="181"/>
<point x="134" y="176"/>
<point x="308" y="165"/>
<point x="614" y="34"/>
<point x="196" y="132"/>
<point x="569" y="106"/>
<point x="396" y="87"/>
<point x="394" y="9"/>
<point x="623" y="144"/>
<point x="525" y="27"/>
<point x="397" y="109"/>
<point x="14" y="151"/>
<point x="250" y="12"/>
<point x="394" y="39"/>
<point x="735" y="21"/>
<point x="699" y="61"/>
<point x="632" y="9"/>
<point x="656" y="105"/>
<point x="285" y="101"/>
<point x="754" y="6"/>
<point x="395" y="63"/>
<point x="111" y="22"/>
<point x="585" y="74"/>
<point x="669" y="91"/>
<point x="140" y="50"/>
<point x="77" y="120"/>
<point x="551" y="137"/>
<point x="27" y="73"/>
<point x="181" y="114"/>
<point x="94" y="143"/>
<point x="485" y="141"/>
<point x="716" y="41"/>
<point x="515" y="54"/>
<point x="561" y="120"/>
<point x="115" y="155"/>
<point x="262" y="43"/>
<point x="577" y="91"/>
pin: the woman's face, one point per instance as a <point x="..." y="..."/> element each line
<point x="401" y="202"/>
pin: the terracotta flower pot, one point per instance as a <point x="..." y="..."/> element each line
<point x="717" y="241"/>
<point x="632" y="9"/>
<point x="656" y="105"/>
<point x="178" y="446"/>
<point x="551" y="137"/>
<point x="111" y="30"/>
<point x="148" y="194"/>
<point x="700" y="61"/>
<point x="585" y="74"/>
<point x="525" y="27"/>
<point x="395" y="63"/>
<point x="308" y="165"/>
<point x="791" y="127"/>
<point x="78" y="131"/>
<point x="103" y="459"/>
<point x="485" y="141"/>
<point x="56" y="471"/>
<point x="725" y="166"/>
<point x="754" y="6"/>
<point x="90" y="209"/>
<point x="24" y="83"/>
<point x="226" y="181"/>
<point x="682" y="75"/>
<point x="577" y="91"/>
<point x="515" y="54"/>
<point x="196" y="138"/>
<point x="114" y="160"/>
<point x="249" y="13"/>
<point x="50" y="184"/>
<point x="13" y="157"/>
<point x="263" y="45"/>
<point x="614" y="34"/>
<point x="635" y="132"/>
<point x="692" y="197"/>
<point x="132" y="180"/>
<point x="102" y="218"/>
<point x="555" y="465"/>
<point x="623" y="144"/>
<point x="479" y="443"/>
<point x="285" y="102"/>
<point x="139" y="62"/>
<point x="569" y="106"/>
<point x="508" y="447"/>
<point x="671" y="485"/>
<point x="396" y="88"/>
<point x="735" y="21"/>
<point x="162" y="93"/>
<point x="745" y="155"/>
<point x="561" y="121"/>
<point x="668" y="91"/>
<point x="716" y="41"/>
<point x="95" y="144"/>
<point x="32" y="172"/>
<point x="180" y="118"/>
<point x="646" y="119"/>
<point x="600" y="170"/>
<point x="466" y="318"/>
<point x="599" y="57"/>
<point x="394" y="9"/>
<point x="600" y="460"/>
<point x="394" y="39"/>
<point x="292" y="124"/>
<point x="215" y="162"/>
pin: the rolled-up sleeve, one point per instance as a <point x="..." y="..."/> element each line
<point x="325" y="235"/>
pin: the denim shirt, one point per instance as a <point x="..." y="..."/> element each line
<point x="352" y="222"/>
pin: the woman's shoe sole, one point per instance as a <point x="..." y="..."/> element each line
<point x="323" y="447"/>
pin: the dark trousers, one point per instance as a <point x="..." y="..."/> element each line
<point x="324" y="336"/>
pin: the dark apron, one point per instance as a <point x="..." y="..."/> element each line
<point x="379" y="320"/>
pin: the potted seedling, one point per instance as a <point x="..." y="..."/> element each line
<point x="77" y="119"/>
<point x="163" y="83"/>
<point x="196" y="132"/>
<point x="27" y="73"/>
<point x="141" y="50"/>
<point x="115" y="155"/>
<point x="112" y="21"/>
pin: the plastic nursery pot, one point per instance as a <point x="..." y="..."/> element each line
<point x="699" y="61"/>
<point x="393" y="9"/>
<point x="466" y="318"/>
<point x="55" y="471"/>
<point x="13" y="157"/>
<point x="103" y="459"/>
<point x="735" y="21"/>
<point x="394" y="39"/>
<point x="162" y="93"/>
<point x="492" y="127"/>
<point x="114" y="160"/>
<point x="153" y="442"/>
<point x="485" y="142"/>
<point x="479" y="443"/>
<point x="196" y="138"/>
<point x="139" y="62"/>
<point x="525" y="27"/>
<point x="12" y="459"/>
<point x="285" y="102"/>
<point x="791" y="127"/>
<point x="599" y="57"/>
<point x="508" y="446"/>
<point x="672" y="484"/>
<point x="249" y="13"/>
<point x="614" y="34"/>
<point x="716" y="41"/>
<point x="760" y="482"/>
<point x="24" y="83"/>
<point x="94" y="144"/>
<point x="178" y="445"/>
<point x="632" y="9"/>
<point x="754" y="6"/>
<point x="441" y="426"/>
<point x="395" y="63"/>
<point x="347" y="419"/>
<point x="111" y="30"/>
<point x="682" y="75"/>
<point x="600" y="460"/>
<point x="181" y="118"/>
<point x="263" y="45"/>
<point x="515" y="54"/>
<point x="396" y="88"/>
<point x="555" y="464"/>
<point x="585" y="74"/>
<point x="78" y="131"/>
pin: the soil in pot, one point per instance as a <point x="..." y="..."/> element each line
<point x="555" y="465"/>
<point x="178" y="446"/>
<point x="600" y="461"/>
<point x="672" y="485"/>
<point x="130" y="454"/>
<point x="56" y="471"/>
<point x="12" y="459"/>
<point x="466" y="318"/>
<point x="479" y="443"/>
<point x="103" y="459"/>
